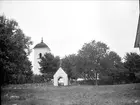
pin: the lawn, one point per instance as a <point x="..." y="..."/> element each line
<point x="41" y="94"/>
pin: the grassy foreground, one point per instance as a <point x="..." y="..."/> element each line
<point x="41" y="94"/>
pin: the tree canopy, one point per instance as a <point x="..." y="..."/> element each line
<point x="49" y="65"/>
<point x="132" y="63"/>
<point x="94" y="57"/>
<point x="14" y="51"/>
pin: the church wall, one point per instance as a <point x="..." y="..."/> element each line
<point x="36" y="65"/>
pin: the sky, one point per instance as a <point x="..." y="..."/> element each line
<point x="66" y="25"/>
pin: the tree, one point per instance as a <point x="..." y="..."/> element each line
<point x="99" y="59"/>
<point x="14" y="51"/>
<point x="72" y="65"/>
<point x="92" y="53"/>
<point x="86" y="62"/>
<point x="67" y="65"/>
<point x="114" y="67"/>
<point x="132" y="63"/>
<point x="92" y="59"/>
<point x="49" y="65"/>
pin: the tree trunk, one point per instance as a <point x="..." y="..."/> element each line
<point x="96" y="82"/>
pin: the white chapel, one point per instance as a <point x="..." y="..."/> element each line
<point x="39" y="50"/>
<point x="60" y="74"/>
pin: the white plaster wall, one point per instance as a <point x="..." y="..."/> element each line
<point x="65" y="79"/>
<point x="36" y="65"/>
<point x="58" y="74"/>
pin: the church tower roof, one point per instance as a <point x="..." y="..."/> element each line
<point x="41" y="45"/>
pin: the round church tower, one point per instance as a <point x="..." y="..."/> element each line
<point x="39" y="51"/>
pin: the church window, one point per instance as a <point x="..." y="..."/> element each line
<point x="40" y="55"/>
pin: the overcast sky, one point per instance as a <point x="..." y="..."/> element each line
<point x="66" y="26"/>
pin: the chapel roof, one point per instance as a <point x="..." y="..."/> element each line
<point x="60" y="71"/>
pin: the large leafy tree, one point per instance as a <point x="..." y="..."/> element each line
<point x="14" y="51"/>
<point x="113" y="67"/>
<point x="72" y="65"/>
<point x="94" y="57"/>
<point x="99" y="59"/>
<point x="68" y="63"/>
<point x="49" y="65"/>
<point x="86" y="62"/>
<point x="93" y="52"/>
<point x="110" y="61"/>
<point x="132" y="63"/>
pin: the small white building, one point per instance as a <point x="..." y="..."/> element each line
<point x="39" y="50"/>
<point x="60" y="77"/>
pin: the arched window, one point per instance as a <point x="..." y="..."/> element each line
<point x="40" y="55"/>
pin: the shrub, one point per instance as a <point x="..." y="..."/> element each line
<point x="38" y="79"/>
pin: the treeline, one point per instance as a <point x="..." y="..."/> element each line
<point x="92" y="59"/>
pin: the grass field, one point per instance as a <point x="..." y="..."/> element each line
<point x="41" y="94"/>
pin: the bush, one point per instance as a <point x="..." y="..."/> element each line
<point x="105" y="80"/>
<point x="38" y="79"/>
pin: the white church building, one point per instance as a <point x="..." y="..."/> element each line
<point x="39" y="50"/>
